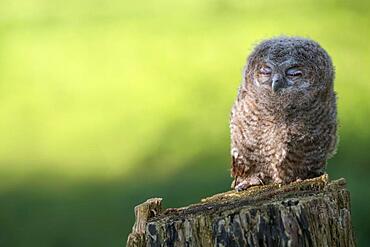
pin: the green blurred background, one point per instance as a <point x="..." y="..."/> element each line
<point x="105" y="103"/>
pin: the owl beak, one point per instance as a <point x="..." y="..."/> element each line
<point x="277" y="82"/>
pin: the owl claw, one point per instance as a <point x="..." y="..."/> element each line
<point x="241" y="186"/>
<point x="246" y="183"/>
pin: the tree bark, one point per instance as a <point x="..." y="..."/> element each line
<point x="313" y="212"/>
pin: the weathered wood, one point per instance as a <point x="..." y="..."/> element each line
<point x="143" y="212"/>
<point x="313" y="212"/>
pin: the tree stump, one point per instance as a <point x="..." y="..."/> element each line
<point x="313" y="212"/>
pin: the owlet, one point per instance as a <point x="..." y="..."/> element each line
<point x="284" y="120"/>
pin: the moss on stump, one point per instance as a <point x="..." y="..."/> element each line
<point x="313" y="212"/>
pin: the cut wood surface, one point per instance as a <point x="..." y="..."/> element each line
<point x="313" y="212"/>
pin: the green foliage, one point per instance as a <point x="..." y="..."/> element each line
<point x="107" y="103"/>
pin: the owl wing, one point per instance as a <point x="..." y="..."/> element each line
<point x="334" y="138"/>
<point x="239" y="150"/>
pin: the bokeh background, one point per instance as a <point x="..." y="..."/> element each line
<point x="105" y="103"/>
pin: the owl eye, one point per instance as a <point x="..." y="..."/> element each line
<point x="265" y="70"/>
<point x="294" y="72"/>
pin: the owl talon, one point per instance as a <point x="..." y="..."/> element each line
<point x="246" y="183"/>
<point x="242" y="186"/>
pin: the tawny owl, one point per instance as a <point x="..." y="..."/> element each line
<point x="283" y="122"/>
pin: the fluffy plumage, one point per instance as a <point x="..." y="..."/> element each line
<point x="283" y="122"/>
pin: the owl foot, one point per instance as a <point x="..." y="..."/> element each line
<point x="245" y="183"/>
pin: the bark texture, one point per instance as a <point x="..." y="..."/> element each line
<point x="313" y="212"/>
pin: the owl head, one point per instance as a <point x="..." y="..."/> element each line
<point x="289" y="68"/>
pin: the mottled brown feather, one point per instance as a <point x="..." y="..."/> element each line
<point x="283" y="136"/>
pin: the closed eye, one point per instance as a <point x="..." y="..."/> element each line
<point x="294" y="72"/>
<point x="265" y="70"/>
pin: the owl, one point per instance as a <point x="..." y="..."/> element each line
<point x="284" y="119"/>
